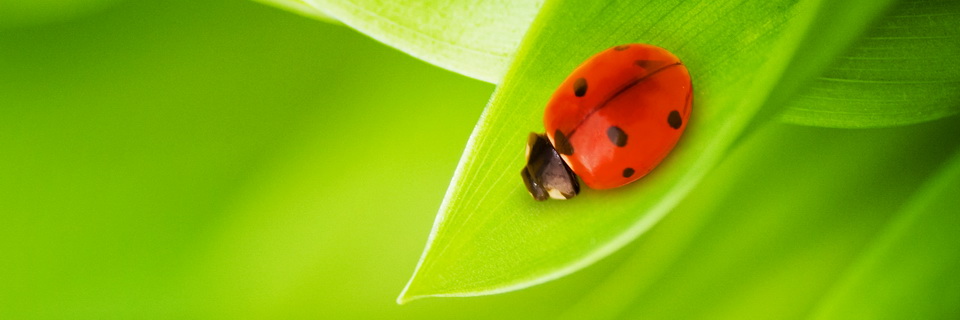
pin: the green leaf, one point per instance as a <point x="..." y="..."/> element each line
<point x="909" y="271"/>
<point x="471" y="37"/>
<point x="491" y="237"/>
<point x="300" y="7"/>
<point x="905" y="70"/>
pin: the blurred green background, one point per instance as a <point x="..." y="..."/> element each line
<point x="219" y="158"/>
<point x="224" y="159"/>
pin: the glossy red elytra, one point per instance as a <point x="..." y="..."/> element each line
<point x="610" y="122"/>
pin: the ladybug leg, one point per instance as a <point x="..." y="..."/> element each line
<point x="546" y="175"/>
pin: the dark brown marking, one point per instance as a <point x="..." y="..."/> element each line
<point x="580" y="87"/>
<point x="617" y="136"/>
<point x="561" y="143"/>
<point x="622" y="47"/>
<point x="627" y="172"/>
<point x="674" y="119"/>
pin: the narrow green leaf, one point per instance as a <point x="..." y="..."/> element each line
<point x="472" y="37"/>
<point x="909" y="271"/>
<point x="491" y="237"/>
<point x="905" y="70"/>
<point x="300" y="7"/>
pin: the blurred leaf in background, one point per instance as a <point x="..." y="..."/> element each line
<point x="750" y="244"/>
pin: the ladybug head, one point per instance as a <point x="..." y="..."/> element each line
<point x="546" y="175"/>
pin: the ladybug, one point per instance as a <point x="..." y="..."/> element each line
<point x="610" y="122"/>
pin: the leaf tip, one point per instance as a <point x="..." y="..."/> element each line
<point x="404" y="296"/>
<point x="409" y="291"/>
<point x="415" y="290"/>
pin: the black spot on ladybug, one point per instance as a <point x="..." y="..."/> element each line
<point x="627" y="172"/>
<point x="580" y="87"/>
<point x="650" y="65"/>
<point x="561" y="143"/>
<point x="622" y="47"/>
<point x="617" y="136"/>
<point x="674" y="119"/>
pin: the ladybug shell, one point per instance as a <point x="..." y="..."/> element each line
<point x="620" y="113"/>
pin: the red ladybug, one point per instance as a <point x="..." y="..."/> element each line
<point x="610" y="122"/>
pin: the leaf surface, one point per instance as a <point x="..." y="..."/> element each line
<point x="904" y="70"/>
